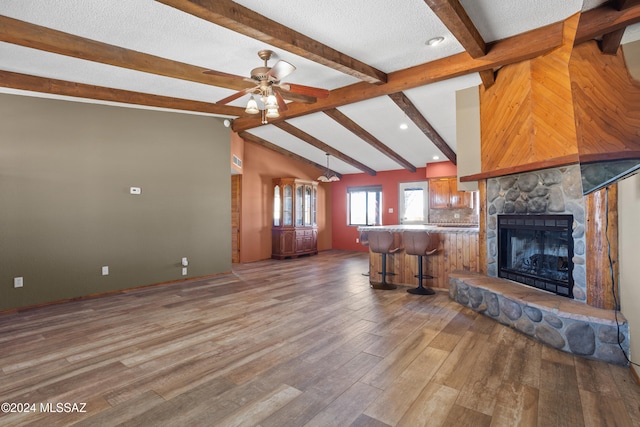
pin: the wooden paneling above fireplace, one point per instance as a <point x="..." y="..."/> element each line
<point x="571" y="105"/>
<point x="526" y="117"/>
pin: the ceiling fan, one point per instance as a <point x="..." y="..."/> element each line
<point x="271" y="91"/>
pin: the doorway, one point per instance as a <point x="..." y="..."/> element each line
<point x="414" y="202"/>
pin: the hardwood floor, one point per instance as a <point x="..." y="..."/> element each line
<point x="301" y="342"/>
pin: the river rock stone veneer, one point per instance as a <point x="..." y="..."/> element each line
<point x="547" y="191"/>
<point x="554" y="320"/>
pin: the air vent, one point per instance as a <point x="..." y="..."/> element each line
<point x="237" y="161"/>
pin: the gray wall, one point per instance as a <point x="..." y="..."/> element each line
<point x="65" y="208"/>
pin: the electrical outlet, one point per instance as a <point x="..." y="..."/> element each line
<point x="18" y="282"/>
<point x="184" y="271"/>
<point x="357" y="240"/>
<point x="105" y="270"/>
<point x="456" y="216"/>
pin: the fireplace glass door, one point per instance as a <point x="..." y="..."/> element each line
<point x="537" y="250"/>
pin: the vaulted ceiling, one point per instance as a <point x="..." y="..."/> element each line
<point x="372" y="56"/>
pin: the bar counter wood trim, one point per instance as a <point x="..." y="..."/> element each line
<point x="456" y="251"/>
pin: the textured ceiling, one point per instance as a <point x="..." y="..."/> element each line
<point x="388" y="35"/>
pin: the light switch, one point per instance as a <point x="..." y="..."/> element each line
<point x="135" y="190"/>
<point x="18" y="282"/>
<point x="390" y="210"/>
<point x="105" y="270"/>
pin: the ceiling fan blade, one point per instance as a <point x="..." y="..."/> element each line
<point x="305" y="90"/>
<point x="296" y="97"/>
<point x="282" y="105"/>
<point x="281" y="70"/>
<point x="221" y="74"/>
<point x="236" y="95"/>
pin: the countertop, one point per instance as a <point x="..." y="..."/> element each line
<point x="430" y="228"/>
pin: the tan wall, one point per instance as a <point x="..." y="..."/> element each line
<point x="468" y="136"/>
<point x="65" y="173"/>
<point x="260" y="166"/>
<point x="632" y="58"/>
<point x="629" y="234"/>
<point x="628" y="238"/>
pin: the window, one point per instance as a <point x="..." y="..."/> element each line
<point x="414" y="202"/>
<point x="364" y="205"/>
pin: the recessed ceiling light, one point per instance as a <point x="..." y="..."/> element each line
<point x="404" y="126"/>
<point x="435" y="41"/>
<point x="436" y="157"/>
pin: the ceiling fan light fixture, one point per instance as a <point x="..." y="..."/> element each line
<point x="272" y="102"/>
<point x="252" y="106"/>
<point x="272" y="113"/>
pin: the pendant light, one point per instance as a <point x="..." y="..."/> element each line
<point x="328" y="175"/>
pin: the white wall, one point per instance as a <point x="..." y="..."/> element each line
<point x="629" y="262"/>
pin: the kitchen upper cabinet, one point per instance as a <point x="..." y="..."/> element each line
<point x="444" y="194"/>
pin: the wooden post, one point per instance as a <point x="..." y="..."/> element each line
<point x="601" y="209"/>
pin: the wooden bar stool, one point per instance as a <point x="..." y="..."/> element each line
<point x="419" y="243"/>
<point x="381" y="242"/>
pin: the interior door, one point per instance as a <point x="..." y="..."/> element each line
<point x="236" y="193"/>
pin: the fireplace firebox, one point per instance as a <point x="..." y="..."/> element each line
<point x="537" y="250"/>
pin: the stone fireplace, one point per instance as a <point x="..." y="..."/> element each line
<point x="567" y="324"/>
<point x="537" y="250"/>
<point x="556" y="191"/>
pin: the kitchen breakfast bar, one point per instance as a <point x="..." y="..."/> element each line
<point x="456" y="248"/>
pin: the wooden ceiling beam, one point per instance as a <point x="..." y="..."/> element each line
<point x="605" y="19"/>
<point x="361" y="133"/>
<point x="423" y="124"/>
<point x="309" y="139"/>
<point x="625" y="4"/>
<point x="240" y="19"/>
<point x="273" y="147"/>
<point x="37" y="37"/>
<point x="455" y="18"/>
<point x="610" y="42"/>
<point x="65" y="88"/>
<point x="513" y="49"/>
<point x="488" y="78"/>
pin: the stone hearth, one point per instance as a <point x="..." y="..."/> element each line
<point x="557" y="321"/>
<point x="570" y="325"/>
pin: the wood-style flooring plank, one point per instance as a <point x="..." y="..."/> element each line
<point x="397" y="398"/>
<point x="291" y="343"/>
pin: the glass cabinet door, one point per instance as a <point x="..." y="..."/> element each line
<point x="314" y="207"/>
<point x="299" y="205"/>
<point x="287" y="207"/>
<point x="277" y="207"/>
<point x="307" y="205"/>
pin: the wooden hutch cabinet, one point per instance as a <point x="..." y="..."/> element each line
<point x="295" y="223"/>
